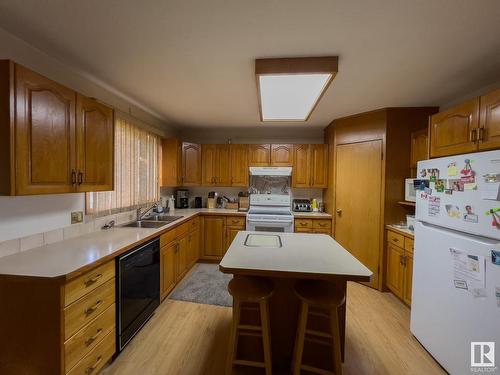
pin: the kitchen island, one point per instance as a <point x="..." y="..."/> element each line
<point x="285" y="259"/>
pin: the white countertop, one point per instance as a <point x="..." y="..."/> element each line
<point x="315" y="256"/>
<point x="68" y="256"/>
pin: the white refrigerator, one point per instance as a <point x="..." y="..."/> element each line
<point x="455" y="311"/>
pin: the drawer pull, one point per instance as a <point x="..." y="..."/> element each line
<point x="91" y="309"/>
<point x="235" y="221"/>
<point x="303" y="224"/>
<point x="91" y="369"/>
<point x="93" y="280"/>
<point x="322" y="224"/>
<point x="395" y="240"/>
<point x="90" y="340"/>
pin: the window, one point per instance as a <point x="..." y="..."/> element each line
<point x="136" y="172"/>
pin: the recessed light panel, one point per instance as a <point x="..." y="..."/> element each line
<point x="290" y="97"/>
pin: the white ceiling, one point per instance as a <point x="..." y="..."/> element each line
<point x="192" y="61"/>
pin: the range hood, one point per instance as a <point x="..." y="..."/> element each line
<point x="270" y="171"/>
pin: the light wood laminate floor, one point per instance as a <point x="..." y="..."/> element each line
<point x="189" y="339"/>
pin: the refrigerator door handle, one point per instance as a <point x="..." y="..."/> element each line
<point x="484" y="240"/>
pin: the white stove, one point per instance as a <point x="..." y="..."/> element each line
<point x="270" y="213"/>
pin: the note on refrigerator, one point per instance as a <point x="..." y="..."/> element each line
<point x="468" y="271"/>
<point x="490" y="191"/>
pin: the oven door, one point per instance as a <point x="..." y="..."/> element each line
<point x="261" y="223"/>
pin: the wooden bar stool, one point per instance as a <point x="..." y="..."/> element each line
<point x="325" y="299"/>
<point x="250" y="291"/>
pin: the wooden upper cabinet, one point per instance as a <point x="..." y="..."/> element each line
<point x="238" y="155"/>
<point x="301" y="166"/>
<point x="223" y="166"/>
<point x="171" y="162"/>
<point x="454" y="131"/>
<point x="191" y="164"/>
<point x="319" y="166"/>
<point x="44" y="135"/>
<point x="259" y="155"/>
<point x="419" y="147"/>
<point x="489" y="128"/>
<point x="94" y="145"/>
<point x="281" y="155"/>
<point x="208" y="165"/>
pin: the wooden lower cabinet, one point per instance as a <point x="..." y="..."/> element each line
<point x="399" y="265"/>
<point x="167" y="265"/>
<point x="318" y="226"/>
<point x="214" y="237"/>
<point x="234" y="224"/>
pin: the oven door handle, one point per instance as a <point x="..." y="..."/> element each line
<point x="270" y="221"/>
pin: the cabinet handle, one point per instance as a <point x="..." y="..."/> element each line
<point x="92" y="309"/>
<point x="395" y="240"/>
<point x="91" y="369"/>
<point x="473" y="135"/>
<point x="90" y="340"/>
<point x="481" y="134"/>
<point x="73" y="177"/>
<point x="80" y="177"/>
<point x="339" y="211"/>
<point x="92" y="280"/>
<point x="322" y="224"/>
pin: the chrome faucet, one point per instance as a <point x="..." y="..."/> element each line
<point x="141" y="214"/>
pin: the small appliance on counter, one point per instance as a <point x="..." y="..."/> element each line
<point x="243" y="201"/>
<point x="198" y="202"/>
<point x="301" y="205"/>
<point x="182" y="198"/>
<point x="211" y="199"/>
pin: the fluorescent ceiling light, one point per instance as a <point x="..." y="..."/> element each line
<point x="290" y="88"/>
<point x="290" y="96"/>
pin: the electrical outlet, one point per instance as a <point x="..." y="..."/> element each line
<point x="76" y="217"/>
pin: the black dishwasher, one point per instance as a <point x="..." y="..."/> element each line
<point x="138" y="289"/>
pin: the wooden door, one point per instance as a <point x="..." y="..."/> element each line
<point x="281" y="155"/>
<point x="319" y="166"/>
<point x="171" y="168"/>
<point x="259" y="155"/>
<point x="408" y="277"/>
<point x="230" y="234"/>
<point x="489" y="130"/>
<point x="214" y="236"/>
<point x="182" y="257"/>
<point x="45" y="135"/>
<point x="208" y="165"/>
<point x="301" y="174"/>
<point x="238" y="155"/>
<point x="94" y="145"/>
<point x="191" y="164"/>
<point x="223" y="166"/>
<point x="193" y="247"/>
<point x="454" y="130"/>
<point x="168" y="268"/>
<point x="419" y="147"/>
<point x="395" y="270"/>
<point x="358" y="186"/>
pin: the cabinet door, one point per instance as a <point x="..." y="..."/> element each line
<point x="208" y="165"/>
<point x="319" y="166"/>
<point x="238" y="155"/>
<point x="193" y="247"/>
<point x="214" y="236"/>
<point x="171" y="168"/>
<point x="182" y="257"/>
<point x="489" y="131"/>
<point x="94" y="145"/>
<point x="454" y="131"/>
<point x="395" y="270"/>
<point x="230" y="234"/>
<point x="419" y="147"/>
<point x="223" y="166"/>
<point x="408" y="277"/>
<point x="45" y="135"/>
<point x="259" y="155"/>
<point x="191" y="164"/>
<point x="281" y="155"/>
<point x="301" y="166"/>
<point x="168" y="268"/>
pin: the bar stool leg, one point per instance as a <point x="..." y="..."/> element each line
<point x="233" y="338"/>
<point x="266" y="336"/>
<point x="299" y="341"/>
<point x="334" y="322"/>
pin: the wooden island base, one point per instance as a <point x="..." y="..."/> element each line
<point x="284" y="312"/>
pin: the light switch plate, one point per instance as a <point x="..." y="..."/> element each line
<point x="76" y="217"/>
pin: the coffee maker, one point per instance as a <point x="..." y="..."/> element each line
<point x="181" y="198"/>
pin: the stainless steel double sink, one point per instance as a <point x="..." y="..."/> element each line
<point x="153" y="221"/>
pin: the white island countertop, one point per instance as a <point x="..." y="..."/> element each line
<point x="301" y="255"/>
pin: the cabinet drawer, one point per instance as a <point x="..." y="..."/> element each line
<point x="303" y="230"/>
<point x="87" y="308"/>
<point x="94" y="361"/>
<point x="181" y="230"/>
<point x="235" y="221"/>
<point x="395" y="238"/>
<point x="303" y="223"/>
<point x="167" y="237"/>
<point x="88" y="282"/>
<point x="409" y="244"/>
<point x="193" y="224"/>
<point x="88" y="337"/>
<point x="322" y="224"/>
<point x="322" y="231"/>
